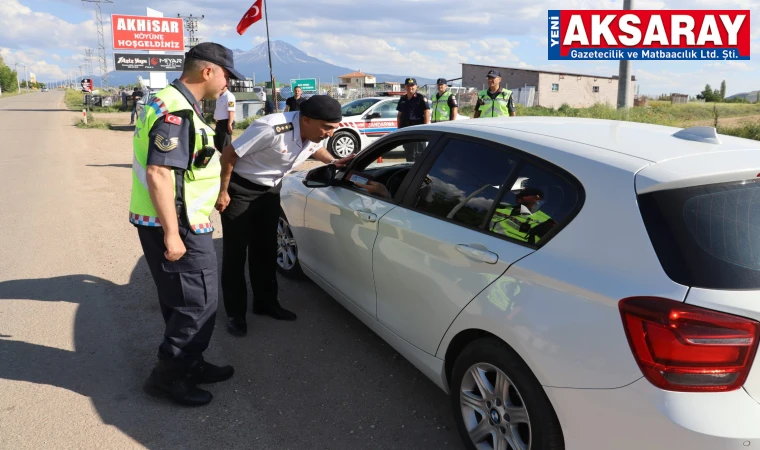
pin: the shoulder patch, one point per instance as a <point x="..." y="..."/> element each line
<point x="231" y="104"/>
<point x="283" y="128"/>
<point x="171" y="118"/>
<point x="166" y="144"/>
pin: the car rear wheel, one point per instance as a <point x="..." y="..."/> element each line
<point x="287" y="250"/>
<point x="343" y="143"/>
<point x="498" y="403"/>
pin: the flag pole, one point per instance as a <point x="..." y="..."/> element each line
<point x="269" y="52"/>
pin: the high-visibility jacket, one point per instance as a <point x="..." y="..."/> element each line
<point x="200" y="186"/>
<point x="496" y="107"/>
<point x="441" y="109"/>
<point x="509" y="222"/>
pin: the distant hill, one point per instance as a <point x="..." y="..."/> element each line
<point x="753" y="96"/>
<point x="288" y="61"/>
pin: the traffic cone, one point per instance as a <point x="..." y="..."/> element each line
<point x="380" y="159"/>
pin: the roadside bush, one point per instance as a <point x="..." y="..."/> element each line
<point x="747" y="131"/>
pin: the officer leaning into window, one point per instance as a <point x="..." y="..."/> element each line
<point x="176" y="179"/>
<point x="444" y="103"/>
<point x="224" y="114"/>
<point x="494" y="101"/>
<point x="249" y="201"/>
<point x="413" y="109"/>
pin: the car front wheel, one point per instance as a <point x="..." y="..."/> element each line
<point x="498" y="403"/>
<point x="287" y="250"/>
<point x="343" y="143"/>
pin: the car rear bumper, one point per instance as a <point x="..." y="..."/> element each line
<point x="641" y="416"/>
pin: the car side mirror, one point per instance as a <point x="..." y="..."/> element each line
<point x="320" y="177"/>
<point x="374" y="115"/>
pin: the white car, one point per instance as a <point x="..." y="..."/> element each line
<point x="364" y="121"/>
<point x="572" y="283"/>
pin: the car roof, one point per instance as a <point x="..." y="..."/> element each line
<point x="654" y="143"/>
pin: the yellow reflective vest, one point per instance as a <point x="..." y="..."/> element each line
<point x="200" y="186"/>
<point x="496" y="107"/>
<point x="441" y="109"/>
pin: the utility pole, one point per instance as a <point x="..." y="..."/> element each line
<point x="624" y="75"/>
<point x="26" y="79"/>
<point x="101" y="43"/>
<point x="191" y="25"/>
<point x="18" y="83"/>
<point x="88" y="59"/>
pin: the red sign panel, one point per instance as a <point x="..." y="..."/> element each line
<point x="147" y="33"/>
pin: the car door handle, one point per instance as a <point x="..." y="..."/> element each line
<point x="366" y="216"/>
<point x="477" y="254"/>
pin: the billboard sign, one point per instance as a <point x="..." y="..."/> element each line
<point x="147" y="33"/>
<point x="306" y="84"/>
<point x="142" y="62"/>
<point x="649" y="35"/>
<point x="87" y="85"/>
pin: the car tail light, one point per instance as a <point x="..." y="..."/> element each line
<point x="686" y="348"/>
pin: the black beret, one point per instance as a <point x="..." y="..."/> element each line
<point x="322" y="107"/>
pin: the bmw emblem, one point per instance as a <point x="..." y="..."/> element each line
<point x="495" y="416"/>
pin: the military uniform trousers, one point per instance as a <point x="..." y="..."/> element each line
<point x="250" y="232"/>
<point x="222" y="136"/>
<point x="187" y="292"/>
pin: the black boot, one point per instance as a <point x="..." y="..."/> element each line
<point x="275" y="311"/>
<point x="237" y="326"/>
<point x="205" y="372"/>
<point x="170" y="379"/>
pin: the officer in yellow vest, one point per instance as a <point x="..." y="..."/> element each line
<point x="494" y="101"/>
<point x="444" y="103"/>
<point x="175" y="181"/>
<point x="524" y="222"/>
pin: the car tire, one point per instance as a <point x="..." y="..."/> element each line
<point x="519" y="410"/>
<point x="343" y="144"/>
<point x="287" y="250"/>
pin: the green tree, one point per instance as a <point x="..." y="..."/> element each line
<point x="7" y="77"/>
<point x="723" y="90"/>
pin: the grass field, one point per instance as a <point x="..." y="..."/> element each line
<point x="75" y="101"/>
<point x="674" y="115"/>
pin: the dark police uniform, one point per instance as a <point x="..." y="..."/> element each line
<point x="412" y="113"/>
<point x="268" y="149"/>
<point x="171" y="132"/>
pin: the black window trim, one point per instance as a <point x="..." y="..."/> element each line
<point x="523" y="158"/>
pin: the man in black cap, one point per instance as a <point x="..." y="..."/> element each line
<point x="175" y="168"/>
<point x="444" y="103"/>
<point x="494" y="101"/>
<point x="249" y="201"/>
<point x="413" y="109"/>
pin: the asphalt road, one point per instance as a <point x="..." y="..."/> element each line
<point x="80" y="325"/>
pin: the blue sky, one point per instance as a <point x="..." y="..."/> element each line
<point x="428" y="38"/>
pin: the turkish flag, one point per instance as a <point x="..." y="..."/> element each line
<point x="251" y="16"/>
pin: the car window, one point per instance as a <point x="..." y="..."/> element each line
<point x="535" y="203"/>
<point x="357" y="107"/>
<point x="389" y="167"/>
<point x="387" y="110"/>
<point x="464" y="182"/>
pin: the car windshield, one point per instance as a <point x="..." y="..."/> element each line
<point x="357" y="107"/>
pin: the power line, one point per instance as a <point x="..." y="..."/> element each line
<point x="191" y="26"/>
<point x="101" y="43"/>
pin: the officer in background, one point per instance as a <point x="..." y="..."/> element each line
<point x="224" y="114"/>
<point x="175" y="180"/>
<point x="494" y="101"/>
<point x="294" y="102"/>
<point x="249" y="201"/>
<point x="137" y="94"/>
<point x="525" y="221"/>
<point x="413" y="109"/>
<point x="444" y="103"/>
